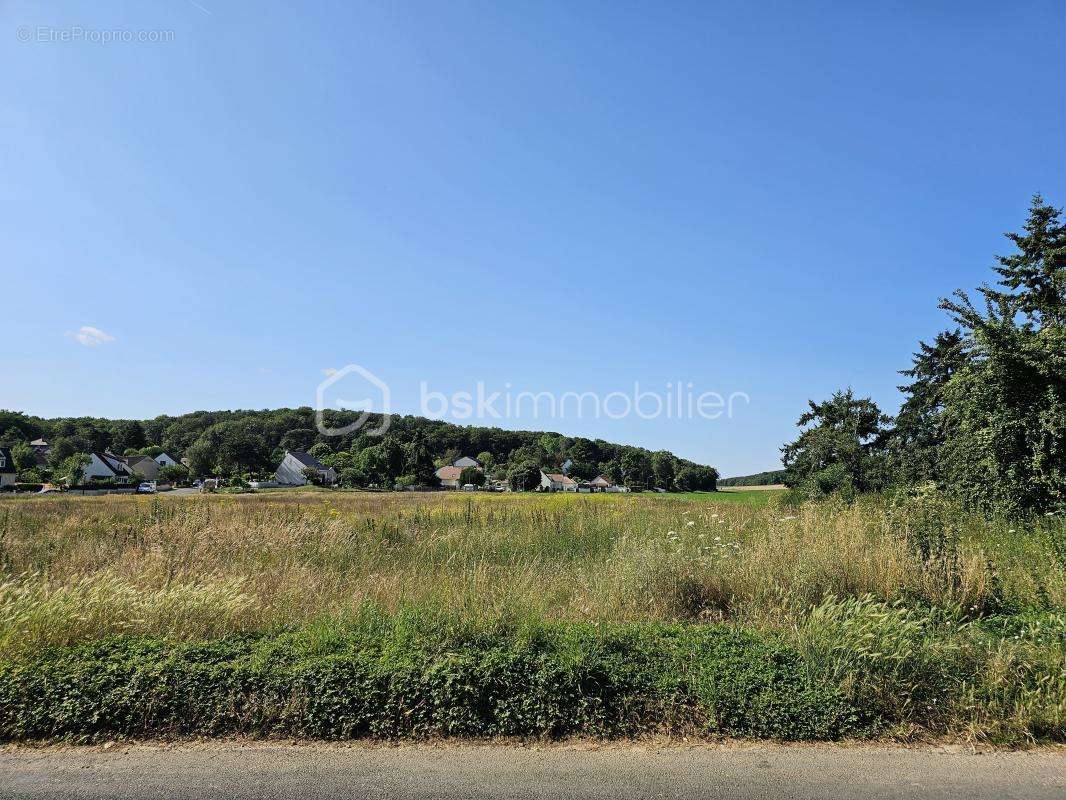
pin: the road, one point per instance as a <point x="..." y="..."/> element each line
<point x="276" y="770"/>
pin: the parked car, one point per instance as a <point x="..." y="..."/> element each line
<point x="146" y="488"/>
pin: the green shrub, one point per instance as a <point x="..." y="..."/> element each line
<point x="411" y="676"/>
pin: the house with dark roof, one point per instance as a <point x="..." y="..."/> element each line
<point x="8" y="475"/>
<point x="292" y="470"/>
<point x="466" y="461"/>
<point x="106" y="467"/>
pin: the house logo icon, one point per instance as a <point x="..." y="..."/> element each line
<point x="347" y="379"/>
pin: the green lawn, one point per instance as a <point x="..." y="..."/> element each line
<point x="756" y="498"/>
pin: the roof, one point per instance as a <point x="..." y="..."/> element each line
<point x="9" y="462"/>
<point x="113" y="463"/>
<point x="449" y="473"/>
<point x="466" y="461"/>
<point x="602" y="480"/>
<point x="38" y="443"/>
<point x="134" y="460"/>
<point x="306" y="459"/>
<point x="558" y="477"/>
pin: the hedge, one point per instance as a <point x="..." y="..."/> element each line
<point x="392" y="677"/>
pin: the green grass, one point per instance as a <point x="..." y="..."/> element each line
<point x="456" y="614"/>
<point x="755" y="498"/>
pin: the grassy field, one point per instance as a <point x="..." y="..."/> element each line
<point x="736" y="613"/>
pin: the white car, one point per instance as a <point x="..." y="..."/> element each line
<point x="146" y="488"/>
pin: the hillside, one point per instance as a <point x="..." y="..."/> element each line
<point x="249" y="442"/>
<point x="758" y="479"/>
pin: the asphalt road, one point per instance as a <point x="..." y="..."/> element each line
<point x="276" y="770"/>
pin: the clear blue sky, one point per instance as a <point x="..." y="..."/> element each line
<point x="756" y="197"/>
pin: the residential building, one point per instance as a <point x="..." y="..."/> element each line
<point x="143" y="465"/>
<point x="106" y="467"/>
<point x="291" y="470"/>
<point x="449" y="476"/>
<point x="8" y="475"/>
<point x="466" y="461"/>
<point x="601" y="483"/>
<point x="557" y="482"/>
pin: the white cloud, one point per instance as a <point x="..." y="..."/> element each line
<point x="89" y="336"/>
<point x="329" y="371"/>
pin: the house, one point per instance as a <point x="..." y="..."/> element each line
<point x="7" y="467"/>
<point x="601" y="483"/>
<point x="449" y="476"/>
<point x="466" y="461"/>
<point x="106" y="467"/>
<point x="291" y="470"/>
<point x="143" y="465"/>
<point x="557" y="482"/>
<point x="149" y="466"/>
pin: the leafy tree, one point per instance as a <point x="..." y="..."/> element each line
<point x="230" y="447"/>
<point x="24" y="457"/>
<point x="174" y="473"/>
<point x="299" y="440"/>
<point x="837" y="451"/>
<point x="471" y="475"/>
<point x="320" y="450"/>
<point x="126" y="434"/>
<point x="636" y="469"/>
<point x="487" y="460"/>
<point x="61" y="449"/>
<point x="524" y="477"/>
<point x="72" y="468"/>
<point x="662" y="465"/>
<point x="914" y="444"/>
<point x="1004" y="409"/>
<point x="419" y="465"/>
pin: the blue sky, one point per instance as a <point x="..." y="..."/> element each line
<point x="762" y="198"/>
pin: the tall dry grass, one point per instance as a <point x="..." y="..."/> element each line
<point x="194" y="567"/>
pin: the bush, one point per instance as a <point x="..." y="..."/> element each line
<point x="413" y="676"/>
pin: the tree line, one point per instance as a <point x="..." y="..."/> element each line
<point x="247" y="444"/>
<point x="984" y="410"/>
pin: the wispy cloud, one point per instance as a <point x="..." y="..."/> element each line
<point x="329" y="371"/>
<point x="88" y="336"/>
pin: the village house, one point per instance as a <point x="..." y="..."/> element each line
<point x="449" y="476"/>
<point x="291" y="471"/>
<point x="600" y="483"/>
<point x="466" y="461"/>
<point x="106" y="467"/>
<point x="7" y="467"/>
<point x="557" y="482"/>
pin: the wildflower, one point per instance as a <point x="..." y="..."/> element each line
<point x="690" y="523"/>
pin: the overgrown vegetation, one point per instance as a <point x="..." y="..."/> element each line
<point x="340" y="614"/>
<point x="984" y="416"/>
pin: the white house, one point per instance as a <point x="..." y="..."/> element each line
<point x="601" y="483"/>
<point x="291" y="470"/>
<point x="7" y="467"/>
<point x="106" y="467"/>
<point x="557" y="482"/>
<point x="465" y="461"/>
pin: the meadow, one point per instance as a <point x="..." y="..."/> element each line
<point x="905" y="617"/>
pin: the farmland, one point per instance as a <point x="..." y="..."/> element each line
<point x="729" y="613"/>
